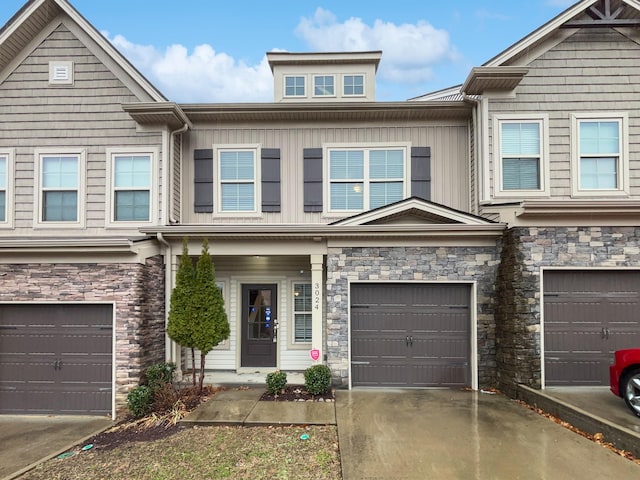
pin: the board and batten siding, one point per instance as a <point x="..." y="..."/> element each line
<point x="594" y="70"/>
<point x="87" y="115"/>
<point x="449" y="145"/>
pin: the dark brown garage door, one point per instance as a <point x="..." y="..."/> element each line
<point x="56" y="359"/>
<point x="410" y="335"/>
<point x="587" y="316"/>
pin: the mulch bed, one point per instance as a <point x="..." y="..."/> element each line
<point x="131" y="430"/>
<point x="297" y="393"/>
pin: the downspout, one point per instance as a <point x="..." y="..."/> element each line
<point x="482" y="141"/>
<point x="474" y="118"/>
<point x="168" y="173"/>
<point x="171" y="350"/>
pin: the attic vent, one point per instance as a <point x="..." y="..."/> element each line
<point x="61" y="73"/>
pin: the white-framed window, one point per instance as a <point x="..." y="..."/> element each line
<point x="6" y="188"/>
<point x="131" y="187"/>
<point x="324" y="86"/>
<point x="362" y="179"/>
<point x="302" y="313"/>
<point x="237" y="179"/>
<point x="60" y="188"/>
<point x="353" y="85"/>
<point x="295" y="86"/>
<point x="521" y="163"/>
<point x="599" y="156"/>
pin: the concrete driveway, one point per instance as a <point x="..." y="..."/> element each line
<point x="450" y="434"/>
<point x="25" y="440"/>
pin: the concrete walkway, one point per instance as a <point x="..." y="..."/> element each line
<point x="241" y="406"/>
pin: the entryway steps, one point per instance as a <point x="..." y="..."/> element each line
<point x="241" y="405"/>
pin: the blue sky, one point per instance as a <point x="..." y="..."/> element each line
<point x="214" y="51"/>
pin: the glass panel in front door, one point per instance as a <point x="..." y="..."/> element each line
<point x="260" y="314"/>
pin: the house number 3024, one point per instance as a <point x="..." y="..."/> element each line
<point x="316" y="295"/>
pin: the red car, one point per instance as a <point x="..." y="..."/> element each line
<point x="624" y="377"/>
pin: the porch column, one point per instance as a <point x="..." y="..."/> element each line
<point x="318" y="302"/>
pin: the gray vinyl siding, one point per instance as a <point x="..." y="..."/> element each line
<point x="87" y="115"/>
<point x="449" y="161"/>
<point x="593" y="70"/>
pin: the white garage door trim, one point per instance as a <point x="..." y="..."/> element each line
<point x="473" y="328"/>
<point x="113" y="338"/>
<point x="542" y="306"/>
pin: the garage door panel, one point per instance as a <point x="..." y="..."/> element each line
<point x="378" y="347"/>
<point x="444" y="375"/>
<point x="423" y="340"/>
<point x="445" y="348"/>
<point x="588" y="314"/>
<point x="382" y="375"/>
<point x="45" y="401"/>
<point x="579" y="371"/>
<point x="12" y="343"/>
<point x="56" y="358"/>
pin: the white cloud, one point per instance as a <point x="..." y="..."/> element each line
<point x="202" y="75"/>
<point x="409" y="50"/>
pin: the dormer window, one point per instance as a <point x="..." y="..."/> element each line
<point x="324" y="86"/>
<point x="294" y="86"/>
<point x="353" y="85"/>
<point x="324" y="77"/>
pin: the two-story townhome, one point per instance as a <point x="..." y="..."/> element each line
<point x="486" y="235"/>
<point x="557" y="158"/>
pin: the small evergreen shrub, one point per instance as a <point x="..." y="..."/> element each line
<point x="276" y="382"/>
<point x="159" y="374"/>
<point x="139" y="401"/>
<point x="317" y="379"/>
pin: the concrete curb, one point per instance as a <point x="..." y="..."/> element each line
<point x="619" y="436"/>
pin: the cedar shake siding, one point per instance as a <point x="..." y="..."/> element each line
<point x="87" y="115"/>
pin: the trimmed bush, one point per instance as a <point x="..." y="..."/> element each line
<point x="276" y="382"/>
<point x="139" y="401"/>
<point x="317" y="379"/>
<point x="159" y="374"/>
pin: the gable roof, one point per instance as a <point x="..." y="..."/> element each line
<point x="504" y="72"/>
<point x="565" y="18"/>
<point x="414" y="207"/>
<point x="35" y="15"/>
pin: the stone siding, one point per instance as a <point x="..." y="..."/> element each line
<point x="136" y="290"/>
<point x="410" y="264"/>
<point x="518" y="295"/>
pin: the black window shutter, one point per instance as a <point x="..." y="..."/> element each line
<point x="421" y="172"/>
<point x="270" y="179"/>
<point x="312" y="158"/>
<point x="203" y="180"/>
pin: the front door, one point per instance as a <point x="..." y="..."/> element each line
<point x="259" y="325"/>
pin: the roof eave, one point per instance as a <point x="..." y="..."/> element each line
<point x="165" y="113"/>
<point x="484" y="79"/>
